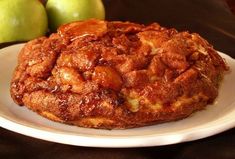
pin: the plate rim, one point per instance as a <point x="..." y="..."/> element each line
<point x="117" y="142"/>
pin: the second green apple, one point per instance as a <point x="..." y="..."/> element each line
<point x="65" y="11"/>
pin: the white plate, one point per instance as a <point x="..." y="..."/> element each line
<point x="214" y="119"/>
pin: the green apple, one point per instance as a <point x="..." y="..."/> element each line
<point x="22" y="20"/>
<point x="64" y="11"/>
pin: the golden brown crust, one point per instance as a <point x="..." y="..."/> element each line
<point x="109" y="75"/>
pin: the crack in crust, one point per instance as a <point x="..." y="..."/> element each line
<point x="109" y="75"/>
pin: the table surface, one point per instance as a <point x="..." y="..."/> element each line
<point x="212" y="19"/>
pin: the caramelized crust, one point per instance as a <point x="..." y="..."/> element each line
<point x="116" y="75"/>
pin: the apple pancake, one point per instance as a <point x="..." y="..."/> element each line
<point x="116" y="75"/>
